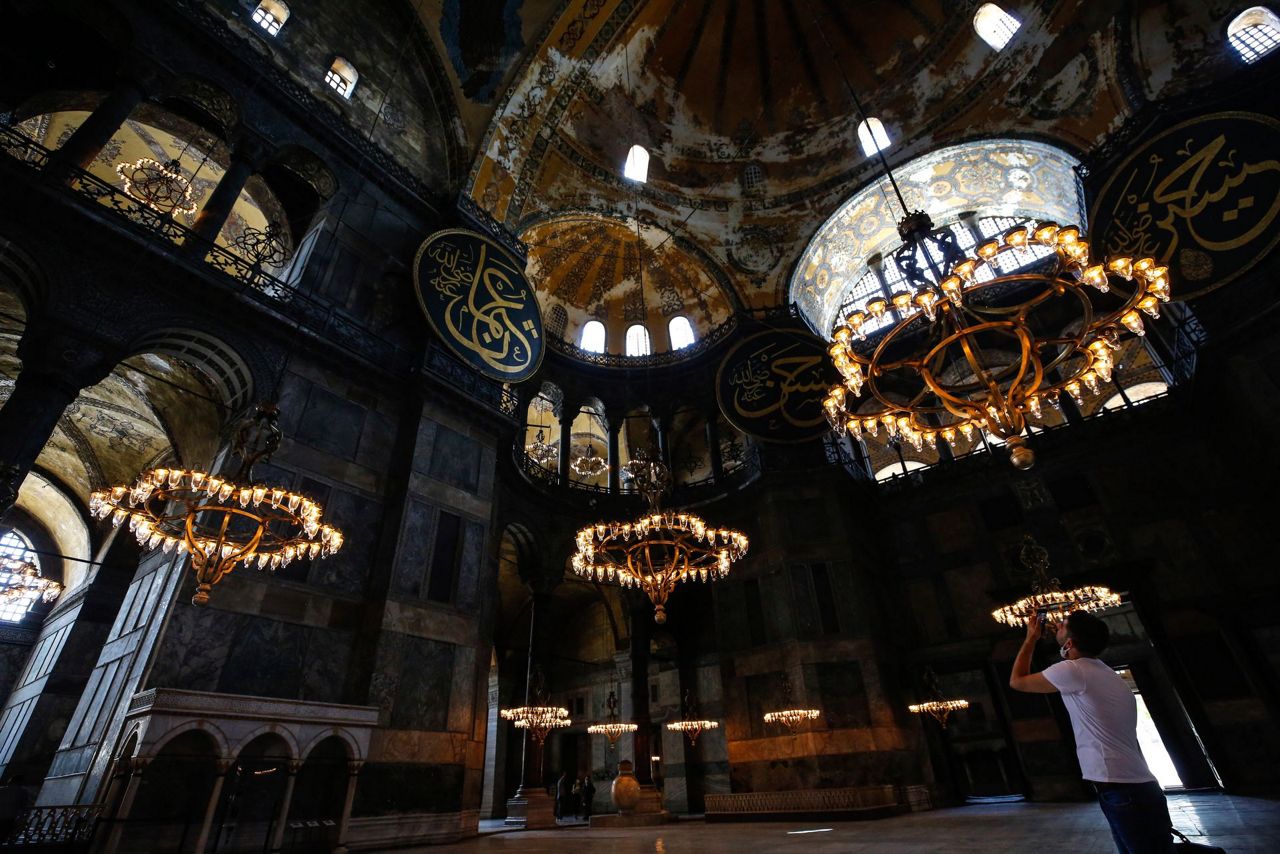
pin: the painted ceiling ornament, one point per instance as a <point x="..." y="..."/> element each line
<point x="160" y="186"/>
<point x="1201" y="197"/>
<point x="1047" y="596"/>
<point x="21" y="580"/>
<point x="474" y="294"/>
<point x="658" y="550"/>
<point x="222" y="522"/>
<point x="771" y="384"/>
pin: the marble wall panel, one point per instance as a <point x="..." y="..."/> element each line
<point x="194" y="649"/>
<point x="397" y="787"/>
<point x="471" y="566"/>
<point x="424" y="446"/>
<point x="414" y="552"/>
<point x="425" y="685"/>
<point x="13" y="657"/>
<point x="331" y="424"/>
<point x="375" y="442"/>
<point x="844" y="696"/>
<point x="456" y="460"/>
<point x="267" y="659"/>
<point x="325" y="666"/>
<point x="359" y="519"/>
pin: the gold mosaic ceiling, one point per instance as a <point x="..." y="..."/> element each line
<point x="589" y="268"/>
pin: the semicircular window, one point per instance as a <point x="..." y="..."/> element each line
<point x="976" y="189"/>
<point x="17" y="548"/>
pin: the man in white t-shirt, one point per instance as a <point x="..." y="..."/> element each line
<point x="1104" y="716"/>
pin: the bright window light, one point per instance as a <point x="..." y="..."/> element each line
<point x="271" y="15"/>
<point x="637" y="166"/>
<point x="15" y="545"/>
<point x="592" y="337"/>
<point x="1254" y="33"/>
<point x="638" y="341"/>
<point x="681" y="331"/>
<point x="1137" y="393"/>
<point x="341" y="77"/>
<point x="895" y="469"/>
<point x="995" y="25"/>
<point x="873" y="136"/>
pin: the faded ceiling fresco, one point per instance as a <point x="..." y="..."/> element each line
<point x="743" y="106"/>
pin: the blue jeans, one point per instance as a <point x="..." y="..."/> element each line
<point x="1138" y="815"/>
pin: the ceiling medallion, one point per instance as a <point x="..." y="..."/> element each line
<point x="21" y="580"/>
<point x="614" y="728"/>
<point x="589" y="464"/>
<point x="658" y="550"/>
<point x="222" y="522"/>
<point x="988" y="344"/>
<point x="160" y="186"/>
<point x="692" y="726"/>
<point x="1048" y="598"/>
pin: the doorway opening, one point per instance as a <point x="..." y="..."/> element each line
<point x="1153" y="749"/>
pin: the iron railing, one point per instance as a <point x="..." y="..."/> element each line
<point x="68" y="825"/>
<point x="247" y="278"/>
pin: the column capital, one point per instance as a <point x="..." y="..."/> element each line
<point x="138" y="764"/>
<point x="224" y="766"/>
<point x="293" y="767"/>
<point x="354" y="766"/>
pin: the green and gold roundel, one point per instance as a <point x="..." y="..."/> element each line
<point x="476" y="298"/>
<point x="771" y="385"/>
<point x="1202" y="197"/>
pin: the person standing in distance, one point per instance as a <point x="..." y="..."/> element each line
<point x="1104" y="716"/>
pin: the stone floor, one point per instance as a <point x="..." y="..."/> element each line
<point x="1235" y="823"/>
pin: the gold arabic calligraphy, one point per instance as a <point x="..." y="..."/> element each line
<point x="486" y="304"/>
<point x="774" y="382"/>
<point x="1206" y="194"/>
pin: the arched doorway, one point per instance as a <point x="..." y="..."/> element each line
<point x="173" y="796"/>
<point x="316" y="811"/>
<point x="249" y="807"/>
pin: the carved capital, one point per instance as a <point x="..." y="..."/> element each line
<point x="354" y="766"/>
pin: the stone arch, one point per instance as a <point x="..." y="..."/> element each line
<point x="216" y="735"/>
<point x="225" y="368"/>
<point x="203" y="102"/>
<point x="283" y="733"/>
<point x="353" y="747"/>
<point x="22" y="276"/>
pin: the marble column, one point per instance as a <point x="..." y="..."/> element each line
<point x="713" y="447"/>
<point x="641" y="633"/>
<point x="137" y="766"/>
<point x="217" y="209"/>
<point x="94" y="132"/>
<point x="353" y="776"/>
<point x="532" y="807"/>
<point x="206" y="825"/>
<point x="56" y="364"/>
<point x="282" y="816"/>
<point x="566" y="444"/>
<point x="615" y="455"/>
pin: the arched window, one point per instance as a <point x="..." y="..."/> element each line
<point x="271" y="15"/>
<point x="681" y="331"/>
<point x="1254" y="33"/>
<point x="592" y="337"/>
<point x="342" y="77"/>
<point x="15" y="547"/>
<point x="873" y="136"/>
<point x="637" y="166"/>
<point x="1137" y="393"/>
<point x="638" y="341"/>
<point x="995" y="25"/>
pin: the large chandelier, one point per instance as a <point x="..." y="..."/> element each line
<point x="985" y="343"/>
<point x="691" y="725"/>
<point x="1048" y="598"/>
<point x="540" y="451"/>
<point x="21" y="580"/>
<point x="659" y="550"/>
<point x="589" y="464"/>
<point x="538" y="720"/>
<point x="221" y="522"/>
<point x="940" y="708"/>
<point x="160" y="186"/>
<point x="790" y="717"/>
<point x="614" y="728"/>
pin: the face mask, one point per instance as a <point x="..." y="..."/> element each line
<point x="1063" y="650"/>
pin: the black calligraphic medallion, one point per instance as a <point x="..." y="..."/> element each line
<point x="476" y="298"/>
<point x="1201" y="197"/>
<point x="771" y="385"/>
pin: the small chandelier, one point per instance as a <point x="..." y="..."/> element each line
<point x="540" y="451"/>
<point x="160" y="186"/>
<point x="658" y="550"/>
<point x="789" y="717"/>
<point x="985" y="343"/>
<point x="939" y="707"/>
<point x="692" y="726"/>
<point x="538" y="720"/>
<point x="262" y="247"/>
<point x="222" y="522"/>
<point x="1047" y="597"/>
<point x="614" y="728"/>
<point x="589" y="464"/>
<point x="22" y="581"/>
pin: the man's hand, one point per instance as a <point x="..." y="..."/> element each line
<point x="1035" y="627"/>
